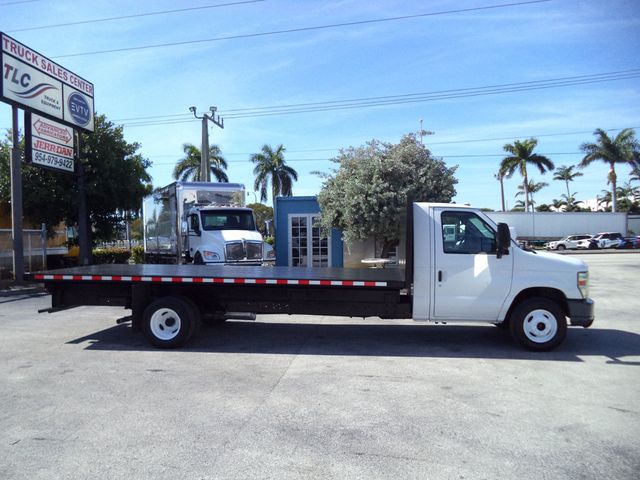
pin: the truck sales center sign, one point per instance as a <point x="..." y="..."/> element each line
<point x="36" y="83"/>
<point x="48" y="143"/>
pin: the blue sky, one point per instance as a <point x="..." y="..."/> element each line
<point x="514" y="44"/>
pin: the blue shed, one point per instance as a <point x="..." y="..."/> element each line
<point x="298" y="241"/>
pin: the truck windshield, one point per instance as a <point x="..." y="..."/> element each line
<point x="227" y="220"/>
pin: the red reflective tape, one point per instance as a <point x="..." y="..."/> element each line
<point x="116" y="278"/>
<point x="38" y="276"/>
<point x="347" y="283"/>
<point x="77" y="277"/>
<point x="218" y="280"/>
<point x="136" y="279"/>
<point x="369" y="284"/>
<point x="280" y="281"/>
<point x="176" y="280"/>
<point x="198" y="280"/>
<point x="156" y="279"/>
<point x="325" y="282"/>
<point x="261" y="281"/>
<point x="303" y="282"/>
<point x="238" y="280"/>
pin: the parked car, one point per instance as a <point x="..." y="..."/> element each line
<point x="630" y="242"/>
<point x="602" y="240"/>
<point x="569" y="242"/>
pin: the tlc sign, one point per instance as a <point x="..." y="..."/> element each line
<point x="35" y="83"/>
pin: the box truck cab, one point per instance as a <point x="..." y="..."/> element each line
<point x="223" y="235"/>
<point x="203" y="223"/>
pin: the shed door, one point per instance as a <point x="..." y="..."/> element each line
<point x="307" y="248"/>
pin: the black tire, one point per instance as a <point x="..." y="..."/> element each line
<point x="593" y="246"/>
<point x="197" y="260"/>
<point x="170" y="322"/>
<point x="538" y="324"/>
<point x="561" y="248"/>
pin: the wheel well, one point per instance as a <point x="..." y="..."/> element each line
<point x="550" y="293"/>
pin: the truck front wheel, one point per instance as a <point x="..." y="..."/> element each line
<point x="170" y="322"/>
<point x="538" y="324"/>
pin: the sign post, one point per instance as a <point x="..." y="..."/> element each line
<point x="49" y="93"/>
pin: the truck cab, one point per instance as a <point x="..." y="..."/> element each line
<point x="223" y="235"/>
<point x="471" y="274"/>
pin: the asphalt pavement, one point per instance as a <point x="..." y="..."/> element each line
<point x="310" y="397"/>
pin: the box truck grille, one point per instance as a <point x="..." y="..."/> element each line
<point x="237" y="251"/>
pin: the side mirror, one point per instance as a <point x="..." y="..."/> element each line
<point x="503" y="240"/>
<point x="184" y="228"/>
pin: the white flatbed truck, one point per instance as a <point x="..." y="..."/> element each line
<point x="471" y="272"/>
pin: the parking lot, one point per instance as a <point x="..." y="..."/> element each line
<point x="320" y="397"/>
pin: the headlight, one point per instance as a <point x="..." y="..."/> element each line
<point x="210" y="255"/>
<point x="583" y="283"/>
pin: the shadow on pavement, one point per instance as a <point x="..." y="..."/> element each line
<point x="431" y="341"/>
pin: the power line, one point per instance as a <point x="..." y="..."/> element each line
<point x="298" y="160"/>
<point x="18" y="2"/>
<point x="122" y="17"/>
<point x="303" y="29"/>
<point x="389" y="100"/>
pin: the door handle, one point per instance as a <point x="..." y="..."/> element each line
<point x="439" y="275"/>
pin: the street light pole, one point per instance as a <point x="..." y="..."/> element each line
<point x="205" y="165"/>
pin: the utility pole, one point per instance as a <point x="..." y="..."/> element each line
<point x="205" y="165"/>
<point x="422" y="133"/>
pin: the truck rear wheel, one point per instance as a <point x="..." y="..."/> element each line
<point x="538" y="324"/>
<point x="169" y="322"/>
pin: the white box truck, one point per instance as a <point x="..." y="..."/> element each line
<point x="204" y="223"/>
<point x="460" y="266"/>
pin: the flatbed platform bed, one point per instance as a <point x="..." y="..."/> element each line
<point x="338" y="277"/>
<point x="198" y="290"/>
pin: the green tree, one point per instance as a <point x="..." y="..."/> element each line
<point x="262" y="213"/>
<point x="367" y="195"/>
<point x="271" y="168"/>
<point x="623" y="149"/>
<point x="521" y="155"/>
<point x="115" y="177"/>
<point x="571" y="204"/>
<point x="500" y="177"/>
<point x="566" y="174"/>
<point x="189" y="166"/>
<point x="531" y="187"/>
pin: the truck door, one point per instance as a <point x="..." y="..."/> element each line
<point x="471" y="283"/>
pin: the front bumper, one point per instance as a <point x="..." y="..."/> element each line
<point x="581" y="312"/>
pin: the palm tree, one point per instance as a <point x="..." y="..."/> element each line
<point x="189" y="166"/>
<point x="518" y="206"/>
<point x="566" y="174"/>
<point x="604" y="199"/>
<point x="270" y="167"/>
<point x="521" y="154"/>
<point x="571" y="204"/>
<point x="558" y="204"/>
<point x="634" y="176"/>
<point x="623" y="149"/>
<point x="500" y="177"/>
<point x="531" y="187"/>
